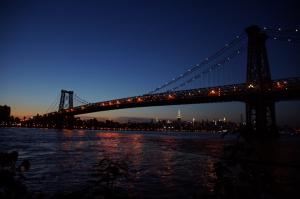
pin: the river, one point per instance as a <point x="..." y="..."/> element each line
<point x="168" y="165"/>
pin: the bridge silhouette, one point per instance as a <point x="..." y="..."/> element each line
<point x="259" y="92"/>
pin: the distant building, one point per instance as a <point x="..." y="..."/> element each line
<point x="179" y="119"/>
<point x="179" y="116"/>
<point x="4" y="113"/>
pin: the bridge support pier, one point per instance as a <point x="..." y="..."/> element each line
<point x="260" y="111"/>
<point x="62" y="121"/>
<point x="260" y="117"/>
<point x="69" y="121"/>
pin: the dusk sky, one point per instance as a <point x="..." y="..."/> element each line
<point x="112" y="49"/>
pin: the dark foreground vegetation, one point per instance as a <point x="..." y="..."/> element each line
<point x="108" y="172"/>
<point x="11" y="176"/>
<point x="258" y="167"/>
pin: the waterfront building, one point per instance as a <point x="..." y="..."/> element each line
<point x="4" y="114"/>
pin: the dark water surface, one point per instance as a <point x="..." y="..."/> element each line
<point x="162" y="164"/>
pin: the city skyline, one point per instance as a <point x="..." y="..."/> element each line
<point x="103" y="50"/>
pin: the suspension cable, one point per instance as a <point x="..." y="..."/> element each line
<point x="53" y="104"/>
<point x="281" y="30"/>
<point x="212" y="67"/>
<point x="206" y="61"/>
<point x="80" y="99"/>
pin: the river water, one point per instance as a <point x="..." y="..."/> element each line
<point x="168" y="165"/>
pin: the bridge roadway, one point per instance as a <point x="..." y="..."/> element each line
<point x="281" y="89"/>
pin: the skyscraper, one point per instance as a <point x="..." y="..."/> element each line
<point x="179" y="119"/>
<point x="178" y="116"/>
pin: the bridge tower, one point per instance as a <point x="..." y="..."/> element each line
<point x="260" y="111"/>
<point x="65" y="120"/>
<point x="63" y="98"/>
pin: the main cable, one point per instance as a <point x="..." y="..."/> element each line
<point x="206" y="61"/>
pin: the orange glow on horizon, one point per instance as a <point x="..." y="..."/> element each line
<point x="21" y="111"/>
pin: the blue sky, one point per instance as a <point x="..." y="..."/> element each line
<point x="110" y="49"/>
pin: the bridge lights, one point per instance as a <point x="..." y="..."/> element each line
<point x="129" y="100"/>
<point x="281" y="85"/>
<point x="251" y="86"/>
<point x="212" y="92"/>
<point x="139" y="99"/>
<point x="170" y="97"/>
<point x="118" y="102"/>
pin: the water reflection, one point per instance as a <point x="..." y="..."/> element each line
<point x="81" y="133"/>
<point x="161" y="165"/>
<point x="67" y="133"/>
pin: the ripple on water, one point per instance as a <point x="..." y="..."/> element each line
<point x="160" y="163"/>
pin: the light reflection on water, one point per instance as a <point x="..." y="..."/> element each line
<point x="162" y="164"/>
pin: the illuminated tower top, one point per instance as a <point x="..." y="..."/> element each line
<point x="178" y="115"/>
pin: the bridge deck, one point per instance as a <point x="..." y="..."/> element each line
<point x="282" y="89"/>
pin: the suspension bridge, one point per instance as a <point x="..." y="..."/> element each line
<point x="259" y="92"/>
